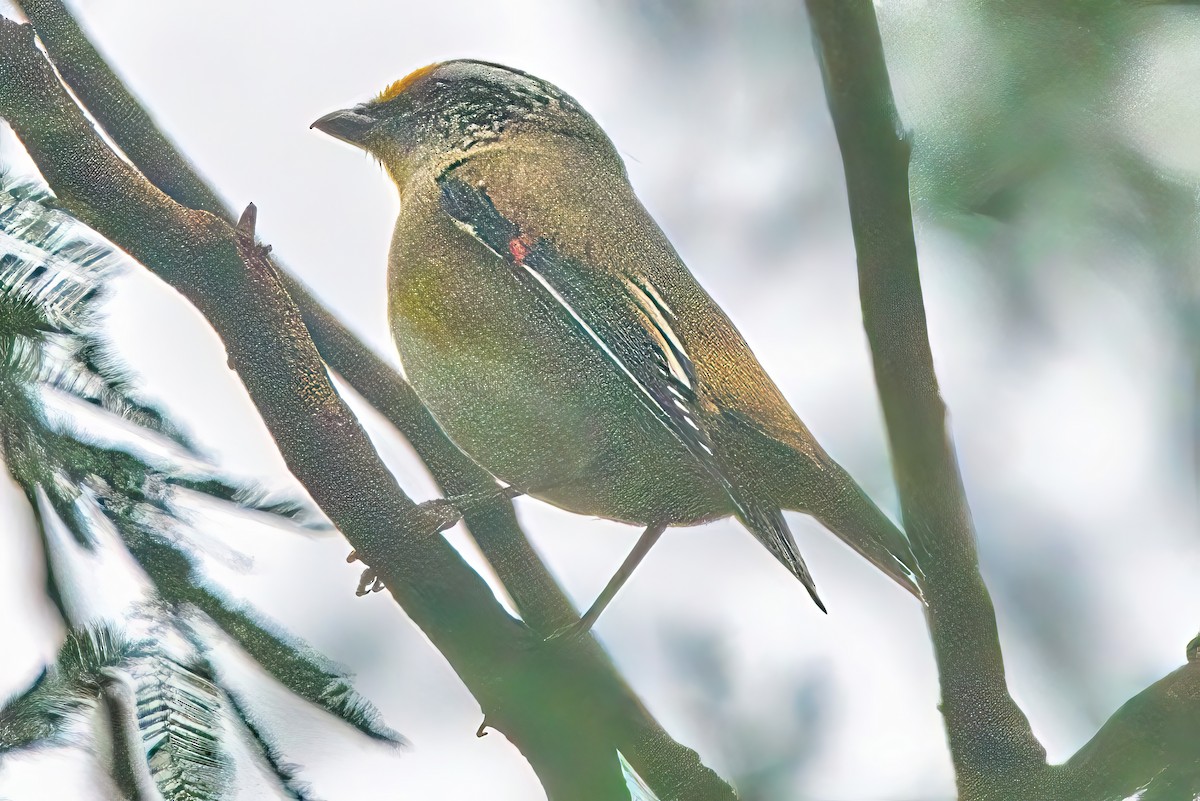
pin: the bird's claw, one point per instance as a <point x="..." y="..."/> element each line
<point x="436" y="516"/>
<point x="571" y="633"/>
<point x="431" y="517"/>
<point x="368" y="583"/>
<point x="561" y="639"/>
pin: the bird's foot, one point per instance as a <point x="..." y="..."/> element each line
<point x="430" y="517"/>
<point x="434" y="517"/>
<point x="439" y="514"/>
<point x="569" y="634"/>
<point x="561" y="640"/>
<point x="368" y="583"/>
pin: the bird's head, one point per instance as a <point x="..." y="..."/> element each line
<point x="437" y="114"/>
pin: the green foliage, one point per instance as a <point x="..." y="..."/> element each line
<point x="66" y="689"/>
<point x="284" y="771"/>
<point x="1027" y="142"/>
<point x="292" y="663"/>
<point x="58" y="377"/>
<point x="179" y="716"/>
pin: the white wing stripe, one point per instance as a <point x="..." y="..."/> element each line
<point x="604" y="346"/>
<point x="470" y="229"/>
<point x="651" y="310"/>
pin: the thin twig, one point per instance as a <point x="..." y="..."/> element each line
<point x="991" y="741"/>
<point x="671" y="769"/>
<point x="1153" y="738"/>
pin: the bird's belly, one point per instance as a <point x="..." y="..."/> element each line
<point x="541" y="408"/>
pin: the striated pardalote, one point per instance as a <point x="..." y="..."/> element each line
<point x="558" y="339"/>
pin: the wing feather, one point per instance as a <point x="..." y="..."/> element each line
<point x="631" y="324"/>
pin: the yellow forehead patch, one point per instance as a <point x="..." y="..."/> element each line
<point x="395" y="88"/>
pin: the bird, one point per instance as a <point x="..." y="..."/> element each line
<point x="557" y="337"/>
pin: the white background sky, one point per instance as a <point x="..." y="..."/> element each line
<point x="1068" y="452"/>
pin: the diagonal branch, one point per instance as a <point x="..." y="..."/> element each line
<point x="989" y="735"/>
<point x="527" y="694"/>
<point x="672" y="769"/>
<point x="493" y="524"/>
<point x="1148" y="748"/>
<point x="84" y="70"/>
<point x="107" y="98"/>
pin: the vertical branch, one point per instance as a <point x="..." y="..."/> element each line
<point x="991" y="742"/>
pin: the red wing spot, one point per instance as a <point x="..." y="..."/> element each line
<point x="519" y="247"/>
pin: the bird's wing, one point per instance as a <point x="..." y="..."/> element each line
<point x="630" y="324"/>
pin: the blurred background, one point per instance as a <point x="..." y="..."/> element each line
<point x="1056" y="180"/>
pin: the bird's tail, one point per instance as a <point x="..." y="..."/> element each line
<point x="768" y="527"/>
<point x="828" y="493"/>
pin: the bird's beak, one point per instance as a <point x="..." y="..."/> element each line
<point x="350" y="125"/>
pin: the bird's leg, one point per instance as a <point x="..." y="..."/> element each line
<point x="582" y="626"/>
<point x="437" y="515"/>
